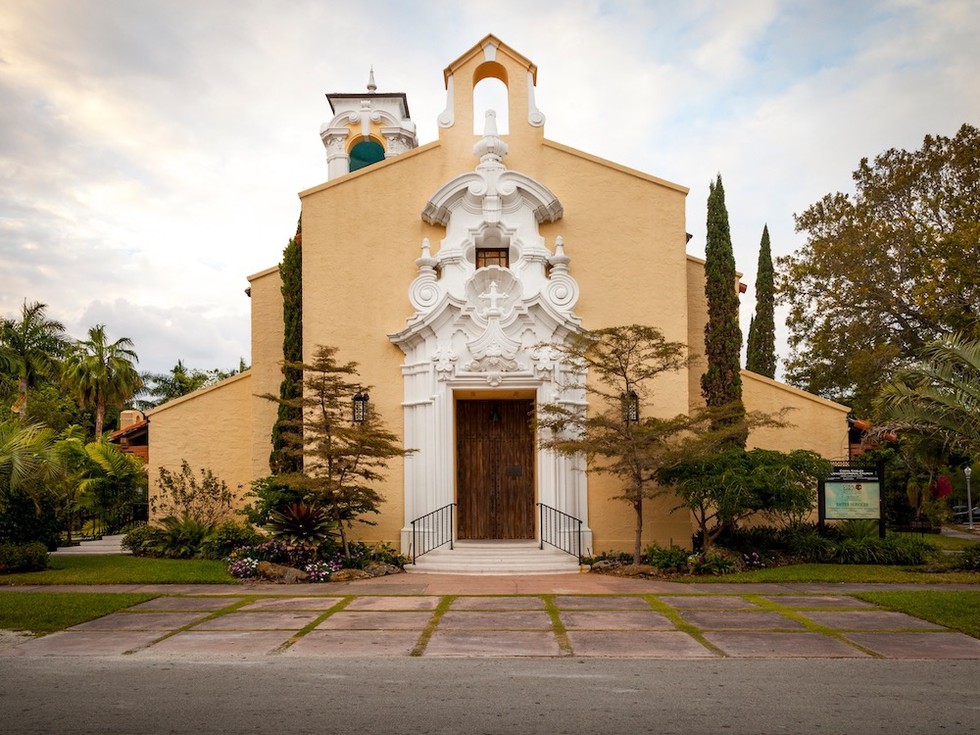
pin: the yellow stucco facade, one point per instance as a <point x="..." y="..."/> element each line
<point x="389" y="279"/>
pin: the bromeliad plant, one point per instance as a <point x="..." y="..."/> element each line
<point x="302" y="524"/>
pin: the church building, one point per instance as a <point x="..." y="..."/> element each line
<point x="444" y="270"/>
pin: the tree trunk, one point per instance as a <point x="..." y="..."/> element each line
<point x="20" y="407"/>
<point x="638" y="542"/>
<point x="99" y="419"/>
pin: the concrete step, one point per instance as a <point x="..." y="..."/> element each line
<point x="105" y="545"/>
<point x="495" y="557"/>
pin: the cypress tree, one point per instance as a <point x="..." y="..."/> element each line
<point x="721" y="384"/>
<point x="761" y="349"/>
<point x="287" y="442"/>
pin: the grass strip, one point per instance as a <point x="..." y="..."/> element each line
<point x="839" y="573"/>
<point x="123" y="569"/>
<point x="340" y="605"/>
<point x="47" y="612"/>
<point x="231" y="607"/>
<point x="954" y="609"/>
<point x="811" y="627"/>
<point x="441" y="609"/>
<point x="561" y="633"/>
<point x="673" y="615"/>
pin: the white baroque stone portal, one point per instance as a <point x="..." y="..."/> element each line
<point x="488" y="327"/>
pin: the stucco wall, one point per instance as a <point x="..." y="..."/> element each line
<point x="267" y="335"/>
<point x="210" y="429"/>
<point x="814" y="423"/>
<point x="624" y="231"/>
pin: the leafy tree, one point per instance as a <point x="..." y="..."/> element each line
<point x="101" y="373"/>
<point x="615" y="435"/>
<point x="761" y="349"/>
<point x="721" y="384"/>
<point x="722" y="489"/>
<point x="887" y="270"/>
<point x="345" y="459"/>
<point x="30" y="347"/>
<point x="289" y="419"/>
<point x="939" y="397"/>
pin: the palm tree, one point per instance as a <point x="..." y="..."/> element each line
<point x="25" y="453"/>
<point x="112" y="481"/>
<point x="162" y="387"/>
<point x="30" y="347"/>
<point x="939" y="396"/>
<point x="102" y="374"/>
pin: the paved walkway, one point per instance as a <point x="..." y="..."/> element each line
<point x="585" y="615"/>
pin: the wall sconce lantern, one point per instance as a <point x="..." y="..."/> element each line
<point x="631" y="408"/>
<point x="495" y="414"/>
<point x="360" y="404"/>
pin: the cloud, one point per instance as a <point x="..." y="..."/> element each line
<point x="152" y="151"/>
<point x="162" y="335"/>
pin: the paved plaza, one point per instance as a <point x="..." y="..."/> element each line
<point x="562" y="616"/>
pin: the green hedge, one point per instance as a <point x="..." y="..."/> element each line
<point x="32" y="557"/>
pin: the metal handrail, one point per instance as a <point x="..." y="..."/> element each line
<point x="434" y="529"/>
<point x="561" y="530"/>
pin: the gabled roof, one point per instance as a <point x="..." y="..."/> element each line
<point x="129" y="430"/>
<point x="478" y="49"/>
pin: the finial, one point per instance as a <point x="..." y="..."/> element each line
<point x="490" y="148"/>
<point x="490" y="125"/>
<point x="372" y="87"/>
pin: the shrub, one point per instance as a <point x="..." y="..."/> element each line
<point x="969" y="560"/>
<point x="710" y="562"/>
<point x="906" y="550"/>
<point x="228" y="536"/>
<point x="901" y="550"/>
<point x="319" y="563"/>
<point x="142" y="540"/>
<point x="673" y="559"/>
<point x="752" y="538"/>
<point x="32" y="557"/>
<point x="270" y="494"/>
<point x="857" y="551"/>
<point x="857" y="529"/>
<point x="181" y="538"/>
<point x="810" y="546"/>
<point x="182" y="495"/>
<point x="243" y="562"/>
<point x="24" y="519"/>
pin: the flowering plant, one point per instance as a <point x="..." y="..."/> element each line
<point x="709" y="562"/>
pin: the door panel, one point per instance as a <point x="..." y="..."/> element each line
<point x="495" y="469"/>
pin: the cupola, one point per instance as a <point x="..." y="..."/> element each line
<point x="366" y="128"/>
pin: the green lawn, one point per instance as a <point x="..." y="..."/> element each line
<point x="46" y="612"/>
<point x="842" y="573"/>
<point x="119" y="569"/>
<point x="948" y="543"/>
<point x="957" y="610"/>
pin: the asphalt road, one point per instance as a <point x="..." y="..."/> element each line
<point x="79" y="696"/>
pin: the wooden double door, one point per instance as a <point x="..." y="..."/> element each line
<point x="495" y="469"/>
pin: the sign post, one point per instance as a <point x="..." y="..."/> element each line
<point x="851" y="493"/>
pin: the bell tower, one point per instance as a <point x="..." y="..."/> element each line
<point x="366" y="128"/>
<point x="490" y="58"/>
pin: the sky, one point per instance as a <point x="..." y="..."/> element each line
<point x="151" y="152"/>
